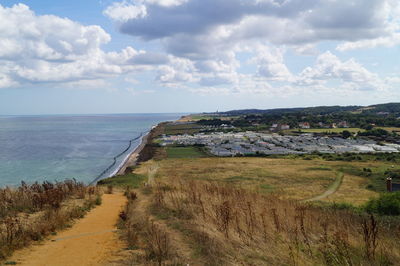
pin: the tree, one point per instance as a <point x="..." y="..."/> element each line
<point x="346" y="134"/>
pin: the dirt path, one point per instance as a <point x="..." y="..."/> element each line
<point x="90" y="241"/>
<point x="332" y="188"/>
<point x="152" y="173"/>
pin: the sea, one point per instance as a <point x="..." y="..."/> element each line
<point x="58" y="147"/>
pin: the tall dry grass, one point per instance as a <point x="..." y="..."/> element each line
<point x="228" y="225"/>
<point x="292" y="178"/>
<point x="144" y="233"/>
<point x="30" y="212"/>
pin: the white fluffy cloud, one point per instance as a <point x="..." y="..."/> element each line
<point x="388" y="41"/>
<point x="292" y="21"/>
<point x="123" y="11"/>
<point x="209" y="34"/>
<point x="350" y="74"/>
<point x="40" y="49"/>
<point x="199" y="44"/>
<point x="270" y="63"/>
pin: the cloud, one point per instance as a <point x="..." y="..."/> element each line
<point x="123" y="11"/>
<point x="389" y="41"/>
<point x="208" y="35"/>
<point x="167" y="3"/>
<point x="270" y="63"/>
<point x="317" y="19"/>
<point x="179" y="71"/>
<point x="200" y="44"/>
<point x="350" y="74"/>
<point x="150" y="58"/>
<point x="49" y="49"/>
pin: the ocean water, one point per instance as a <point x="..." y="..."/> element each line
<point x="38" y="148"/>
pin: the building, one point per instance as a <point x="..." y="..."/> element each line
<point x="285" y="127"/>
<point x="304" y="125"/>
<point x="273" y="127"/>
<point x="343" y="124"/>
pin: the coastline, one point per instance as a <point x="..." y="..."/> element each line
<point x="138" y="154"/>
<point x="132" y="158"/>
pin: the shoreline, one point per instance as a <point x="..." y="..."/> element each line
<point x="132" y="158"/>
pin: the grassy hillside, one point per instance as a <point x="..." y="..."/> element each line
<point x="251" y="211"/>
<point x="288" y="178"/>
<point x="178" y="220"/>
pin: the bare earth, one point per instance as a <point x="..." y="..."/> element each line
<point x="91" y="241"/>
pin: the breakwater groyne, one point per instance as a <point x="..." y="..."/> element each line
<point x="101" y="175"/>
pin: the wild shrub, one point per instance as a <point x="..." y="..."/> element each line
<point x="386" y="204"/>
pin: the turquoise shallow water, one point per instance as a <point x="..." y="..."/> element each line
<point x="37" y="148"/>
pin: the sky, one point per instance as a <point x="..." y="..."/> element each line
<point x="154" y="56"/>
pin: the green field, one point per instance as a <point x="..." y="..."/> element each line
<point x="174" y="129"/>
<point x="391" y="129"/>
<point x="185" y="152"/>
<point x="329" y="130"/>
<point x="133" y="180"/>
<point x="201" y="117"/>
<point x="340" y="130"/>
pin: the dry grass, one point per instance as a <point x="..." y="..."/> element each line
<point x="150" y="241"/>
<point x="291" y="178"/>
<point x="352" y="190"/>
<point x="30" y="212"/>
<point x="226" y="225"/>
<point x="231" y="211"/>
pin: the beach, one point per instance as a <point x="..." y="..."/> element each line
<point x="132" y="159"/>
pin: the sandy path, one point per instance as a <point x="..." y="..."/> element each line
<point x="91" y="240"/>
